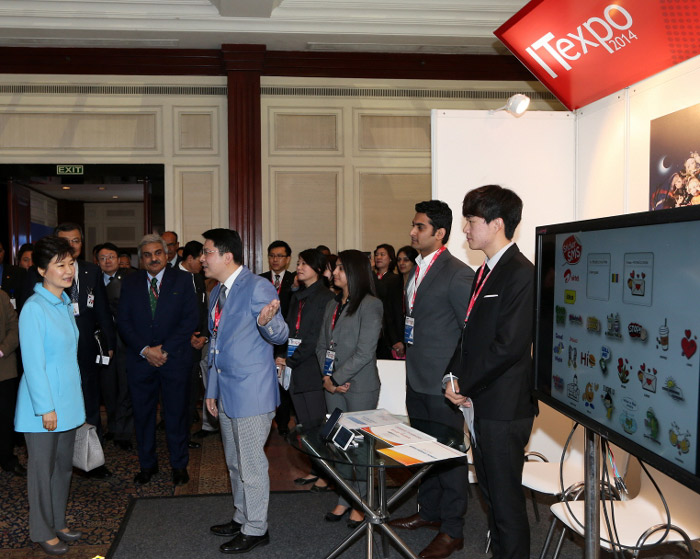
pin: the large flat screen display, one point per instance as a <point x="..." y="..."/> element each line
<point x="616" y="334"/>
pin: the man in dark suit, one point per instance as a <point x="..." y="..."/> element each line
<point x="91" y="310"/>
<point x="11" y="278"/>
<point x="279" y="254"/>
<point x="157" y="315"/>
<point x="115" y="389"/>
<point x="492" y="366"/>
<point x="191" y="264"/>
<point x="436" y="303"/>
<point x="172" y="243"/>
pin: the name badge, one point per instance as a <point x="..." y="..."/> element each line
<point x="292" y="345"/>
<point x="76" y="309"/>
<point x="102" y="360"/>
<point x="329" y="363"/>
<point x="408" y="330"/>
<point x="90" y="300"/>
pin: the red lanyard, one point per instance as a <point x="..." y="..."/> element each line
<point x="335" y="315"/>
<point x="415" y="281"/>
<point x="301" y="306"/>
<point x="477" y="291"/>
<point x="380" y="276"/>
<point x="217" y="315"/>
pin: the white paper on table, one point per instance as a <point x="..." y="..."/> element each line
<point x="367" y="418"/>
<point x="398" y="434"/>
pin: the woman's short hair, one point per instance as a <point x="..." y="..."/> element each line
<point x="358" y="272"/>
<point x="315" y="259"/>
<point x="391" y="252"/>
<point x="49" y="247"/>
<point x="26" y="247"/>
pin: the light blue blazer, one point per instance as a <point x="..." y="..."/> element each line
<point x="48" y="337"/>
<point x="242" y="372"/>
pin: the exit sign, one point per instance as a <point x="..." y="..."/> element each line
<point x="69" y="169"/>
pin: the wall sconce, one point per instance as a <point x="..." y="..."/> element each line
<point x="516" y="105"/>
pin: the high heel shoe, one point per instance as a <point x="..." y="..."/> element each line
<point x="352" y="524"/>
<point x="331" y="517"/>
<point x="59" y="548"/>
<point x="69" y="536"/>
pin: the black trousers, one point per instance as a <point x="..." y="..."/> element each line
<point x="499" y="455"/>
<point x="442" y="496"/>
<point x="8" y="398"/>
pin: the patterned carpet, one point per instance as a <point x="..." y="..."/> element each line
<point x="97" y="507"/>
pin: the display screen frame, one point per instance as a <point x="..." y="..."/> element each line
<point x="546" y="267"/>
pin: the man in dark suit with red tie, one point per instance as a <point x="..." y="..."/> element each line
<point x="157" y="316"/>
<point x="279" y="254"/>
<point x="492" y="365"/>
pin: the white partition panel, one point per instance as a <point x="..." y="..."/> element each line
<point x="533" y="155"/>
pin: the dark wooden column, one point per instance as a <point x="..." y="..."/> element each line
<point x="243" y="65"/>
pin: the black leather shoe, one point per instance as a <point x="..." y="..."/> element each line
<point x="320" y="488"/>
<point x="101" y="472"/>
<point x="180" y="476"/>
<point x="69" y="536"/>
<point x="192" y="444"/>
<point x="202" y="433"/>
<point x="228" y="530"/>
<point x="18" y="470"/>
<point x="332" y="517"/>
<point x="145" y="475"/>
<point x="352" y="524"/>
<point x="59" y="548"/>
<point x="305" y="480"/>
<point x="124" y="445"/>
<point x="242" y="543"/>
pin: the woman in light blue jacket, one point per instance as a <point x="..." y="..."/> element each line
<point x="50" y="401"/>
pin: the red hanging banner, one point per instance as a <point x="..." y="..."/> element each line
<point x="583" y="51"/>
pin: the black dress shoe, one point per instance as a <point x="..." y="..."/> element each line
<point x="59" y="548"/>
<point x="145" y="475"/>
<point x="17" y="469"/>
<point x="192" y="444"/>
<point x="124" y="445"/>
<point x="242" y="543"/>
<point x="69" y="536"/>
<point x="180" y="476"/>
<point x="101" y="472"/>
<point x="305" y="480"/>
<point x="352" y="524"/>
<point x="320" y="488"/>
<point x="202" y="433"/>
<point x="228" y="530"/>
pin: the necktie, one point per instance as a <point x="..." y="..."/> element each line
<point x="222" y="298"/>
<point x="153" y="296"/>
<point x="277" y="281"/>
<point x="74" y="292"/>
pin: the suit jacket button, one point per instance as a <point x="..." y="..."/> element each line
<point x="217" y="352"/>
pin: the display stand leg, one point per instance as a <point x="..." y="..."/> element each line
<point x="592" y="496"/>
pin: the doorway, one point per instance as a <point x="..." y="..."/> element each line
<point x="118" y="203"/>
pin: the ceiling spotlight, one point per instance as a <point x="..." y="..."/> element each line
<point x="100" y="188"/>
<point x="115" y="196"/>
<point x="516" y="105"/>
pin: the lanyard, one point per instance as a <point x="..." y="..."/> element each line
<point x="335" y="316"/>
<point x="415" y="281"/>
<point x="477" y="291"/>
<point x="217" y="313"/>
<point x="380" y="276"/>
<point x="301" y="306"/>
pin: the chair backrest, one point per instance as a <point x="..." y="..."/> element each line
<point x="549" y="433"/>
<point x="392" y="393"/>
<point x="683" y="503"/>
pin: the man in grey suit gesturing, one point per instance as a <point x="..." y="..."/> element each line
<point x="437" y="294"/>
<point x="245" y="322"/>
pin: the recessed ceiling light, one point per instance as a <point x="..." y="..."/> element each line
<point x="100" y="188"/>
<point x="65" y="187"/>
<point x="115" y="196"/>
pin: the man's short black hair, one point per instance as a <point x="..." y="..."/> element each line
<point x="493" y="201"/>
<point x="172" y="233"/>
<point x="439" y="214"/>
<point x="68" y="226"/>
<point x="109" y="246"/>
<point x="193" y="249"/>
<point x="226" y="240"/>
<point x="280" y="244"/>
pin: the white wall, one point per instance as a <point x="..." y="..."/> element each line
<point x="532" y="155"/>
<point x="613" y="135"/>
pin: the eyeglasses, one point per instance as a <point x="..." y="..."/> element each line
<point x="207" y="252"/>
<point x="105" y="258"/>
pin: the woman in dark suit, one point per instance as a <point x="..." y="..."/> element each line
<point x="390" y="291"/>
<point x="350" y="330"/>
<point x="304" y="319"/>
<point x="50" y="401"/>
